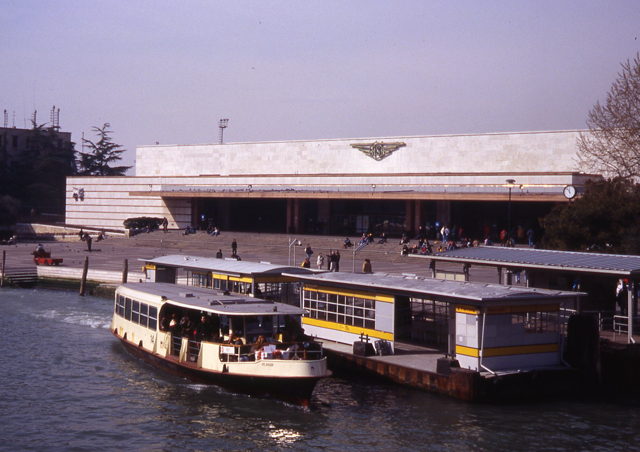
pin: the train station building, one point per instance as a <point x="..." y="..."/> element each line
<point x="478" y="182"/>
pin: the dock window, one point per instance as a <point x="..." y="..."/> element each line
<point x="343" y="309"/>
<point x="201" y="280"/>
<point x="537" y="322"/>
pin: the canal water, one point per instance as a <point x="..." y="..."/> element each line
<point x="67" y="385"/>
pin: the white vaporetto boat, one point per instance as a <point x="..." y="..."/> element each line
<point x="240" y="343"/>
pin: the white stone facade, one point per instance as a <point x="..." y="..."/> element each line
<point x="438" y="168"/>
<point x="529" y="152"/>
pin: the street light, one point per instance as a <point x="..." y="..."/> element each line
<point x="222" y="124"/>
<point x="293" y="243"/>
<point x="510" y="182"/>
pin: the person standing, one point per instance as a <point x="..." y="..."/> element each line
<point x="234" y="248"/>
<point x="336" y="264"/>
<point x="366" y="267"/>
<point x="320" y="261"/>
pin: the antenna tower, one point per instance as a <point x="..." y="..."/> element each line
<point x="55" y="118"/>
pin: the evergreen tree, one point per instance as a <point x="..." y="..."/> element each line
<point x="605" y="219"/>
<point x="101" y="155"/>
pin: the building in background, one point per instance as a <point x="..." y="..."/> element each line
<point x="481" y="183"/>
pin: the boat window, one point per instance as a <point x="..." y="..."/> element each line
<point x="257" y="325"/>
<point x="224" y="325"/>
<point x="120" y="305"/>
<point x="144" y="315"/>
<point x="135" y="312"/>
<point x="127" y="308"/>
<point x="153" y="317"/>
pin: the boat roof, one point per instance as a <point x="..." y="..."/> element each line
<point x="612" y="264"/>
<point x="467" y="292"/>
<point x="225" y="266"/>
<point x="208" y="300"/>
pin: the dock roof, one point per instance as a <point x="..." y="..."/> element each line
<point x="225" y="266"/>
<point x="610" y="264"/>
<point x="467" y="292"/>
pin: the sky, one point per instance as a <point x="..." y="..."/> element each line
<point x="167" y="71"/>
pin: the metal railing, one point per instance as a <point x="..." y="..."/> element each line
<point x="291" y="350"/>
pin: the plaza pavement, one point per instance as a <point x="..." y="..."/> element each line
<point x="110" y="254"/>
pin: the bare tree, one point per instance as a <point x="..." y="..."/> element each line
<point x="612" y="146"/>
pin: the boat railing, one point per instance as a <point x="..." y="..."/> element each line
<point x="275" y="351"/>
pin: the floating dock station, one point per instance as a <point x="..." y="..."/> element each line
<point x="472" y="341"/>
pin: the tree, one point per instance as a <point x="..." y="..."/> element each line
<point x="102" y="154"/>
<point x="9" y="209"/>
<point x="612" y="146"/>
<point x="605" y="219"/>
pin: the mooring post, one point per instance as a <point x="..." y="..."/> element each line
<point x="4" y="256"/>
<point x="125" y="271"/>
<point x="85" y="270"/>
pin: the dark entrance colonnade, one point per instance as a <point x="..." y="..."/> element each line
<point x="355" y="216"/>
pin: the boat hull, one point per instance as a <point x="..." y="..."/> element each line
<point x="294" y="390"/>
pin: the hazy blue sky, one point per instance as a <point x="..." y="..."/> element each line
<point x="167" y="71"/>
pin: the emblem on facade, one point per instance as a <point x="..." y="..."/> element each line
<point x="378" y="150"/>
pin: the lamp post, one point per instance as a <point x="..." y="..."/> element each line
<point x="222" y="124"/>
<point x="510" y="182"/>
<point x="293" y="243"/>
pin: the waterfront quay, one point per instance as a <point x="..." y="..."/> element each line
<point x="413" y="363"/>
<point x="107" y="256"/>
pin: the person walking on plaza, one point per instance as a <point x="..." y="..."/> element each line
<point x="234" y="248"/>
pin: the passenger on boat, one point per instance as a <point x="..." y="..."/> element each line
<point x="235" y="339"/>
<point x="186" y="325"/>
<point x="260" y="342"/>
<point x="204" y="331"/>
<point x="174" y="324"/>
<point x="164" y="323"/>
